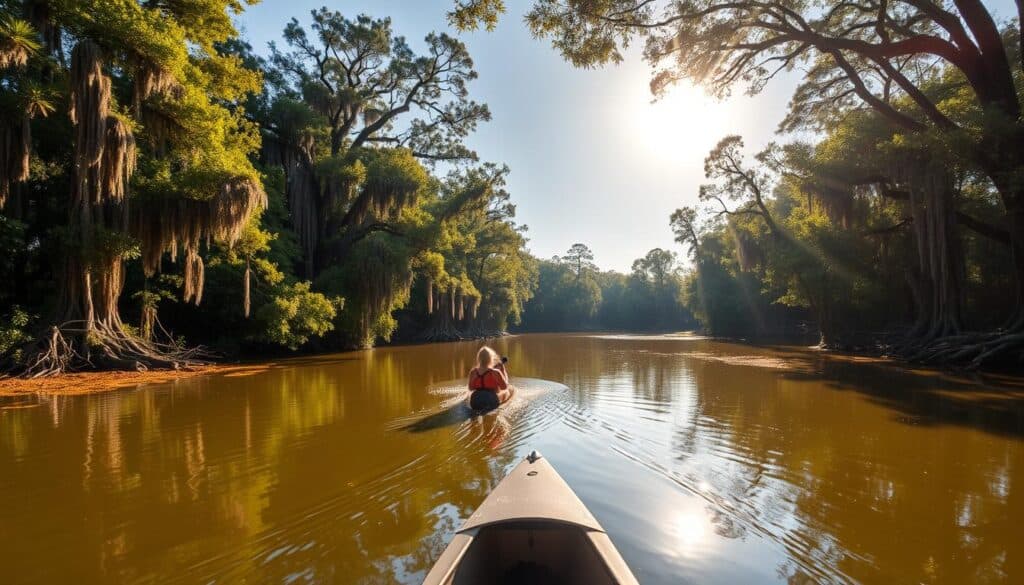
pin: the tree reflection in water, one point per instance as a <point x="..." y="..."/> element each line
<point x="706" y="462"/>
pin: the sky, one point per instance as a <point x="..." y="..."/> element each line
<point x="592" y="159"/>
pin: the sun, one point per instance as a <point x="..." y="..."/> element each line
<point x="682" y="126"/>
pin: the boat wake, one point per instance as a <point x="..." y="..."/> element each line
<point x="453" y="409"/>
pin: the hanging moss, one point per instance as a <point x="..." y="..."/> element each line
<point x="246" y="299"/>
<point x="194" y="184"/>
<point x="748" y="254"/>
<point x="430" y="296"/>
<point x="169" y="222"/>
<point x="836" y="203"/>
<point x="148" y="80"/>
<point x="302" y="189"/>
<point x="90" y="103"/>
<point x="118" y="159"/>
<point x="194" y="271"/>
<point x="371" y="116"/>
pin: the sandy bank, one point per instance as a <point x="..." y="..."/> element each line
<point x="94" y="382"/>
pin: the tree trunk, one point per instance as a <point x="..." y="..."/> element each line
<point x="337" y="139"/>
<point x="947" y="261"/>
<point x="938" y="277"/>
<point x="826" y="315"/>
<point x="1001" y="155"/>
<point x="1015" y="222"/>
<point x="443" y="326"/>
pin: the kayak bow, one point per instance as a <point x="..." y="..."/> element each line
<point x="531" y="529"/>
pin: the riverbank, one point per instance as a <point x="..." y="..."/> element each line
<point x="97" y="382"/>
<point x="794" y="356"/>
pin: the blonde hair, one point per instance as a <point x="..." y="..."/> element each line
<point x="486" y="357"/>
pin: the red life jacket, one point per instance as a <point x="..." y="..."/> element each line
<point x="489" y="380"/>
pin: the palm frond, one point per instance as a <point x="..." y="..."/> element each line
<point x="18" y="42"/>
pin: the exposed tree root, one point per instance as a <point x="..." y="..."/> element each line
<point x="968" y="351"/>
<point x="449" y="332"/>
<point x="961" y="351"/>
<point x="73" y="347"/>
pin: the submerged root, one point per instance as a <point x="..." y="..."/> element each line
<point x="72" y="348"/>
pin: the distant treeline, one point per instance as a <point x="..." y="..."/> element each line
<point x="573" y="295"/>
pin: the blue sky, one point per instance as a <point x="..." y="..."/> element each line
<point x="592" y="159"/>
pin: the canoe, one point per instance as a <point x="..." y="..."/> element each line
<point x="531" y="529"/>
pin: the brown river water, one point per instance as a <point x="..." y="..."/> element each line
<point x="706" y="462"/>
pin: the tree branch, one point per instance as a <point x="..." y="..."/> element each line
<point x="891" y="228"/>
<point x="990" y="231"/>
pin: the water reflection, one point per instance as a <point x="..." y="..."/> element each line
<point x="707" y="462"/>
<point x="692" y="528"/>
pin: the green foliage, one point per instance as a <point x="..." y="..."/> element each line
<point x="656" y="291"/>
<point x="571" y="299"/>
<point x="562" y="302"/>
<point x="580" y="260"/>
<point x="730" y="304"/>
<point x="284" y="251"/>
<point x="160" y="116"/>
<point x="18" y="41"/>
<point x="837" y="236"/>
<point x="374" y="280"/>
<point x="592" y="34"/>
<point x="911" y="123"/>
<point x="351" y="111"/>
<point x="14" y="332"/>
<point x="295" y="314"/>
<point x="392" y="82"/>
<point x="152" y="298"/>
<point x="286" y="311"/>
<point x="568" y="295"/>
<point x="470" y="15"/>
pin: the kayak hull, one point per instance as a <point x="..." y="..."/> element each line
<point x="486" y="400"/>
<point x="531" y="529"/>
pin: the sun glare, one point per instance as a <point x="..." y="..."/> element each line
<point x="684" y="124"/>
<point x="691" y="530"/>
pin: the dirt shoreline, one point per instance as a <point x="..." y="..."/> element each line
<point x="97" y="382"/>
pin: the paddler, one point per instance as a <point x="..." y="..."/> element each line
<point x="488" y="381"/>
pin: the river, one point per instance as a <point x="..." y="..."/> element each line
<point x="707" y="462"/>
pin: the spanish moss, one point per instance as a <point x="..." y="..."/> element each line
<point x="430" y="296"/>
<point x="90" y="103"/>
<point x="246" y="284"/>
